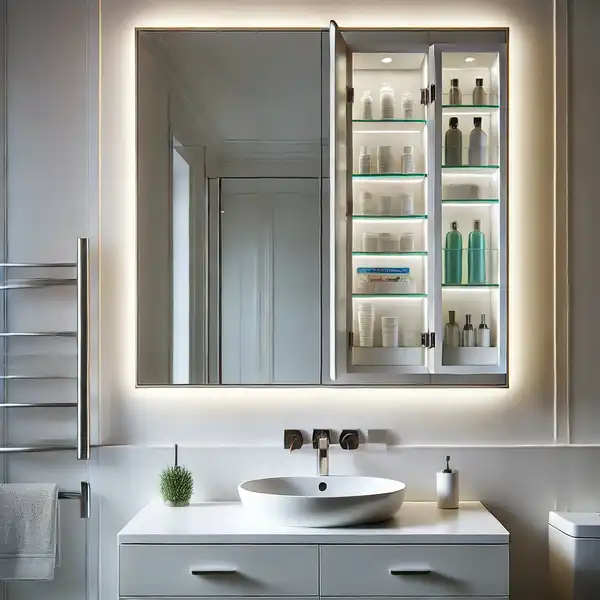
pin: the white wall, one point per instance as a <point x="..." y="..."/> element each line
<point x="51" y="190"/>
<point x="51" y="154"/>
<point x="522" y="414"/>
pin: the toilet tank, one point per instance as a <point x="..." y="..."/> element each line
<point x="574" y="543"/>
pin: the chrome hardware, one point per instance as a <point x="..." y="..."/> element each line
<point x="209" y="572"/>
<point x="321" y="439"/>
<point x="83" y="350"/>
<point x="349" y="439"/>
<point x="292" y="439"/>
<point x="411" y="571"/>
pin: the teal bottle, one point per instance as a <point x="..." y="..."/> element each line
<point x="453" y="256"/>
<point x="476" y="255"/>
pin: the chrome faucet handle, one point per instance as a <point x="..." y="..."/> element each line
<point x="292" y="439"/>
<point x="318" y="435"/>
<point x="349" y="439"/>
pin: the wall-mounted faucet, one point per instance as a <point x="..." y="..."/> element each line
<point x="321" y="439"/>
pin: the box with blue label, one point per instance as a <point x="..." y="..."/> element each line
<point x="384" y="280"/>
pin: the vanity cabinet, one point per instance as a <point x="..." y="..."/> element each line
<point x="220" y="550"/>
<point x="418" y="206"/>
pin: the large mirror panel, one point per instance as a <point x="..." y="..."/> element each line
<point x="229" y="156"/>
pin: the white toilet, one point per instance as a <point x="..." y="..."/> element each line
<point x="574" y="540"/>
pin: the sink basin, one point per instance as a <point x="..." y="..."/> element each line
<point x="332" y="501"/>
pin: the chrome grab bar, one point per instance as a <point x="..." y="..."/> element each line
<point x="83" y="350"/>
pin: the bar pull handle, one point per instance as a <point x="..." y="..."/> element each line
<point x="411" y="571"/>
<point x="214" y="571"/>
<point x="83" y="350"/>
<point x="86" y="500"/>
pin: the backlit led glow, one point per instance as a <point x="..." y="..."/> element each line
<point x="469" y="59"/>
<point x="386" y="60"/>
<point x="144" y="410"/>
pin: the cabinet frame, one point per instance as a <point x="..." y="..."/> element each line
<point x="433" y="43"/>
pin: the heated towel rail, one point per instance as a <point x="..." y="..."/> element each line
<point x="82" y="282"/>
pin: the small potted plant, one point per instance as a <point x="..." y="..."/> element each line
<point x="176" y="484"/>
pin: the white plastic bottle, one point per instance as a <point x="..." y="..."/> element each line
<point x="366" y="106"/>
<point x="478" y="145"/>
<point x="364" y="161"/>
<point x="408" y="106"/>
<point x="386" y="101"/>
<point x="479" y="93"/>
<point x="408" y="160"/>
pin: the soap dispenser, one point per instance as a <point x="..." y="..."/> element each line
<point x="447" y="487"/>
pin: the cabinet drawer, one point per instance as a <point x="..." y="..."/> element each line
<point x="165" y="570"/>
<point x="414" y="571"/>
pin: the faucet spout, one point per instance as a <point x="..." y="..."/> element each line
<point x="323" y="454"/>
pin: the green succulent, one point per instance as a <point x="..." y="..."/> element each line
<point x="176" y="486"/>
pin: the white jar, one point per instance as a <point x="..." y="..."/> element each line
<point x="408" y="160"/>
<point x="386" y="101"/>
<point x="385" y="205"/>
<point x="370" y="242"/>
<point x="385" y="159"/>
<point x="408" y="106"/>
<point x="364" y="161"/>
<point x="407" y="203"/>
<point x="389" y="332"/>
<point x="368" y="204"/>
<point x="407" y="242"/>
<point x="388" y="242"/>
<point x="366" y="106"/>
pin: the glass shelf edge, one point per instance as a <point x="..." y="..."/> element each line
<point x="389" y="295"/>
<point x="387" y="217"/>
<point x="388" y="175"/>
<point x="389" y="120"/>
<point x="475" y="201"/>
<point x="416" y="253"/>
<point x="481" y="286"/>
<point x="468" y="106"/>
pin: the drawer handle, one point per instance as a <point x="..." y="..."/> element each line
<point x="208" y="572"/>
<point x="411" y="571"/>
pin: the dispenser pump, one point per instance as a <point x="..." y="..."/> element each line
<point x="447" y="469"/>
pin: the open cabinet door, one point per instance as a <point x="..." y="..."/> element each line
<point x="340" y="167"/>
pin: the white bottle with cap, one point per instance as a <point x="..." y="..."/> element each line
<point x="364" y="161"/>
<point x="386" y="101"/>
<point x="408" y="160"/>
<point x="447" y="487"/>
<point x="366" y="106"/>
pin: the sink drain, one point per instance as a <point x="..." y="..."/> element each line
<point x="322" y="486"/>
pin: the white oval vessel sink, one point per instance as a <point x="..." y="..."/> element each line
<point x="332" y="501"/>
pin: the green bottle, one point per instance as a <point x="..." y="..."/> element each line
<point x="453" y="256"/>
<point x="476" y="255"/>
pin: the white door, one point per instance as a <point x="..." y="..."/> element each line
<point x="270" y="281"/>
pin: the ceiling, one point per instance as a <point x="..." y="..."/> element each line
<point x="250" y="85"/>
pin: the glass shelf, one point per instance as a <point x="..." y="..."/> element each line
<point x="472" y="201"/>
<point x="415" y="253"/>
<point x="465" y="108"/>
<point x="482" y="286"/>
<point x="387" y="126"/>
<point x="389" y="121"/>
<point x="387" y="217"/>
<point x="389" y="176"/>
<point x="407" y="295"/>
<point x="487" y="170"/>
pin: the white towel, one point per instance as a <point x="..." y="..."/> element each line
<point x="29" y="531"/>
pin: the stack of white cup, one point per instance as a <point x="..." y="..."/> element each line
<point x="389" y="332"/>
<point x="366" y="324"/>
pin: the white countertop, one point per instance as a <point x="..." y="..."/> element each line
<point x="229" y="523"/>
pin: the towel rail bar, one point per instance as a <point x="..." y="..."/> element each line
<point x="84" y="497"/>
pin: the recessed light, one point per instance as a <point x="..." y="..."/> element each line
<point x="470" y="59"/>
<point x="386" y="60"/>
